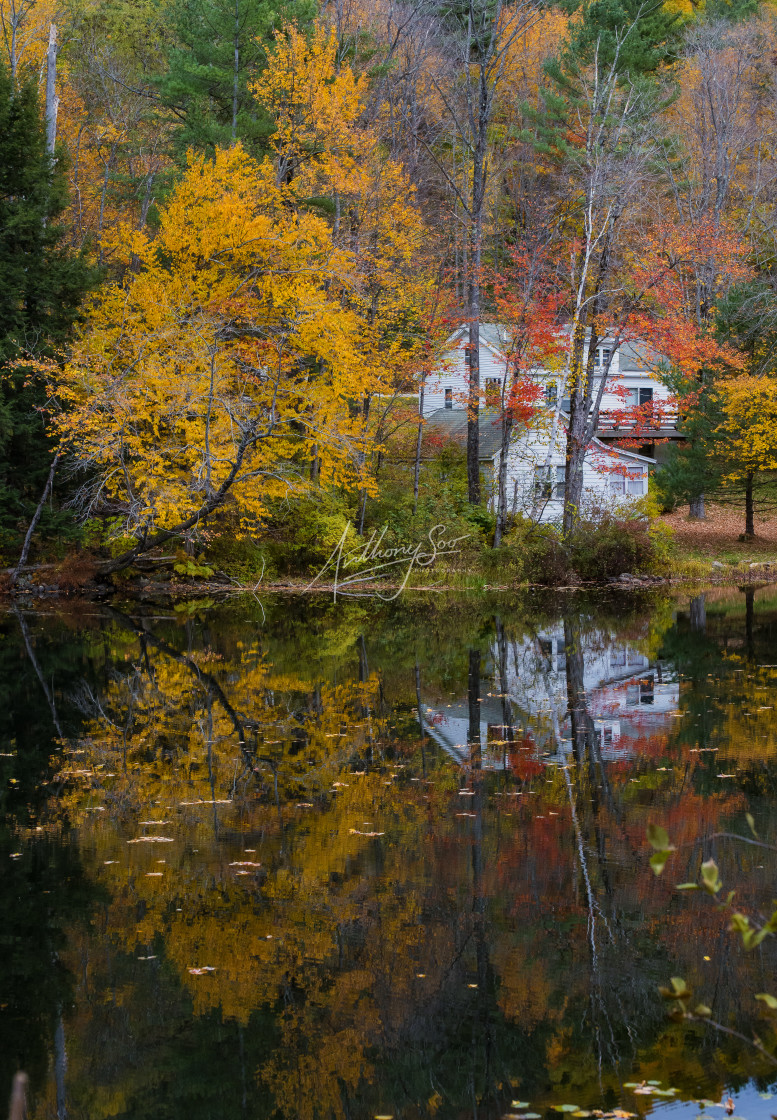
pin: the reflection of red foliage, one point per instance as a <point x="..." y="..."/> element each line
<point x="523" y="764"/>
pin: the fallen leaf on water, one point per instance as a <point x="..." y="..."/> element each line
<point x="154" y="874"/>
<point x="356" y="832"/>
<point x="201" y="971"/>
<point x="466" y="814"/>
<point x="304" y="805"/>
<point x="151" y="840"/>
<point x="217" y="801"/>
<point x="244" y="863"/>
<point x="151" y="958"/>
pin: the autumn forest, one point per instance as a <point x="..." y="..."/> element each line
<point x="236" y="237"/>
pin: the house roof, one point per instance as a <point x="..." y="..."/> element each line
<point x="635" y="357"/>
<point x="451" y="424"/>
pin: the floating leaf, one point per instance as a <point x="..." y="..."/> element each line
<point x="658" y="861"/>
<point x="566" y="1107"/>
<point x="710" y="877"/>
<point x="751" y="823"/>
<point x="658" y="838"/>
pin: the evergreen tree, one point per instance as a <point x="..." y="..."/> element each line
<point x="41" y="286"/>
<point x="645" y="36"/>
<point x="710" y="461"/>
<point x="219" y="48"/>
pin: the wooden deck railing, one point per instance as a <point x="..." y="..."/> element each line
<point x="663" y="423"/>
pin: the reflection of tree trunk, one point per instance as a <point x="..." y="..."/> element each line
<point x="34" y="662"/>
<point x="749" y="645"/>
<point x="508" y="730"/>
<point x="473" y="692"/>
<point x="60" y="1067"/>
<point x="18" y="1106"/>
<point x="698" y="614"/>
<point x="420" y="717"/>
<point x="478" y="890"/>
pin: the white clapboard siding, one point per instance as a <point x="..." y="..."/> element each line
<point x="451" y="373"/>
<point x="601" y="466"/>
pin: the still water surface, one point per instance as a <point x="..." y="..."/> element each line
<point x="304" y="860"/>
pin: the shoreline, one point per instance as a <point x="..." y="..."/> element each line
<point x="224" y="589"/>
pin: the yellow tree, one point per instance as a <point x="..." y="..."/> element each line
<point x="331" y="162"/>
<point x="220" y="360"/>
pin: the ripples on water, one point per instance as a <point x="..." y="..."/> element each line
<point x="355" y="860"/>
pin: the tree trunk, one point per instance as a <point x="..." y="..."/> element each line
<point x="696" y="507"/>
<point x="473" y="402"/>
<point x="576" y="431"/>
<point x="749" y="512"/>
<point x="501" y="503"/>
<point x="52" y="101"/>
<point x="35" y="519"/>
<point x="236" y="71"/>
<point x="418" y="442"/>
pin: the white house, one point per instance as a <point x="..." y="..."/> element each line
<point x="535" y="471"/>
<point x="535" y="478"/>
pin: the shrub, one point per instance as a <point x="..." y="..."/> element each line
<point x="530" y="553"/>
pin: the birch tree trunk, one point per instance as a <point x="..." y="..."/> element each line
<point x="52" y="101"/>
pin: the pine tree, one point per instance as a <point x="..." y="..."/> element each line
<point x="41" y="286"/>
<point x="219" y="50"/>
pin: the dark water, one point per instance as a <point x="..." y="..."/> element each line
<point x="305" y="860"/>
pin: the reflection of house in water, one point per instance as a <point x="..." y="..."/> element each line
<point x="628" y="699"/>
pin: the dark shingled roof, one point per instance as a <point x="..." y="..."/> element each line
<point x="451" y="423"/>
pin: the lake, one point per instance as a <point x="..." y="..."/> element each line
<point x="292" y="858"/>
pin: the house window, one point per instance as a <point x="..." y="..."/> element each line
<point x="636" y="397"/>
<point x="549" y="483"/>
<point x="602" y="357"/>
<point x="551" y="393"/>
<point x="561" y="477"/>
<point x="449" y="398"/>
<point x="493" y="391"/>
<point x="566" y="404"/>
<point x="617" y="484"/>
<point x="542" y="484"/>
<point x="636" y="486"/>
